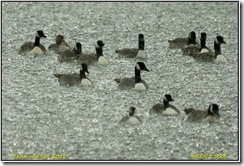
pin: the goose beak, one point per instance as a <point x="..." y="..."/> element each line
<point x="224" y="42"/>
<point x="147" y="70"/>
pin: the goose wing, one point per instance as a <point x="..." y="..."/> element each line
<point x="156" y="109"/>
<point x="178" y="43"/>
<point x="127" y="52"/>
<point x="68" y="79"/>
<point x="87" y="58"/>
<point x="124" y="119"/>
<point x="66" y="56"/>
<point x="26" y="47"/>
<point x="196" y="115"/>
<point x="53" y="47"/>
<point x="205" y="57"/>
<point x="43" y="48"/>
<point x="174" y="107"/>
<point x="191" y="50"/>
<point x="126" y="83"/>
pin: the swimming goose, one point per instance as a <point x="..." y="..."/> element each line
<point x="91" y="59"/>
<point x="211" y="115"/>
<point x="194" y="49"/>
<point x="70" y="56"/>
<point x="216" y="56"/>
<point x="60" y="45"/>
<point x="165" y="108"/>
<point x="36" y="47"/>
<point x="181" y="43"/>
<point x="134" y="52"/>
<point x="75" y="79"/>
<point x="131" y="119"/>
<point x="134" y="82"/>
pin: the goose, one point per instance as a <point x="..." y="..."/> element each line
<point x="215" y="56"/>
<point x="70" y="56"/>
<point x="209" y="115"/>
<point x="134" y="82"/>
<point x="60" y="45"/>
<point x="91" y="59"/>
<point x="165" y="108"/>
<point x="131" y="119"/>
<point x="75" y="79"/>
<point x="194" y="49"/>
<point x="181" y="43"/>
<point x="134" y="52"/>
<point x="36" y="47"/>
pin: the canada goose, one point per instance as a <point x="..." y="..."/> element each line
<point x="91" y="59"/>
<point x="134" y="82"/>
<point x="36" y="47"/>
<point x="134" y="52"/>
<point x="75" y="79"/>
<point x="215" y="56"/>
<point x="165" y="108"/>
<point x="131" y="119"/>
<point x="60" y="45"/>
<point x="210" y="115"/>
<point x="70" y="56"/>
<point x="181" y="43"/>
<point x="194" y="49"/>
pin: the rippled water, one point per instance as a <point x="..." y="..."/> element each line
<point x="40" y="117"/>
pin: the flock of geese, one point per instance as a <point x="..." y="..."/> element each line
<point x="188" y="45"/>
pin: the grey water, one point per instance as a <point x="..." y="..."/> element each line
<point x="39" y="117"/>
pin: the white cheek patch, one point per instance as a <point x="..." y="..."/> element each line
<point x="165" y="98"/>
<point x="102" y="60"/>
<point x="138" y="67"/>
<point x="141" y="54"/>
<point x="211" y="109"/>
<point x="36" y="51"/>
<point x="216" y="41"/>
<point x="221" y="58"/>
<point x="140" y="86"/>
<point x="97" y="46"/>
<point x="132" y="120"/>
<point x="86" y="82"/>
<point x="189" y="36"/>
<point x="170" y="111"/>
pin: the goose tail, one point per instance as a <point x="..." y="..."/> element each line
<point x="57" y="75"/>
<point x="188" y="110"/>
<point x="117" y="80"/>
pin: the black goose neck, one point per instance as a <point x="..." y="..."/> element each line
<point x="203" y="42"/>
<point x="191" y="41"/>
<point x="137" y="76"/>
<point x="77" y="51"/>
<point x="82" y="74"/>
<point x="166" y="104"/>
<point x="217" y="48"/>
<point x="141" y="44"/>
<point x="99" y="52"/>
<point x="37" y="41"/>
<point x="210" y="113"/>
